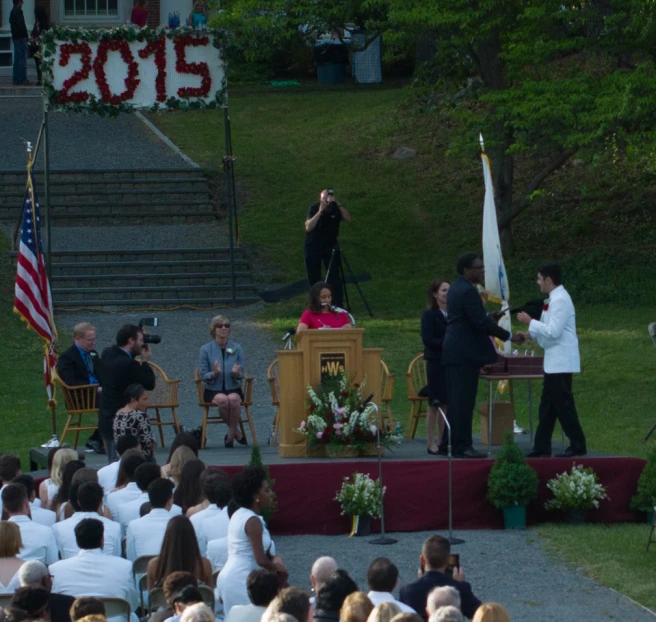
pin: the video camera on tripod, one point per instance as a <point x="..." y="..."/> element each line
<point x="148" y="337"/>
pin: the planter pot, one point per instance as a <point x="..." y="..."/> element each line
<point x="318" y="451"/>
<point x="650" y="517"/>
<point x="370" y="450"/>
<point x="575" y="517"/>
<point x="341" y="451"/>
<point x="360" y="526"/>
<point x="514" y="517"/>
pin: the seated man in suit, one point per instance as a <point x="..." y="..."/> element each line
<point x="90" y="573"/>
<point x="38" y="540"/>
<point x="35" y="573"/>
<point x="146" y="534"/>
<point x="38" y="514"/>
<point x="120" y="369"/>
<point x="467" y="347"/>
<point x="434" y="561"/>
<point x="80" y="365"/>
<point x="90" y="500"/>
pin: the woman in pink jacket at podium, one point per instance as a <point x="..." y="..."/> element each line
<point x="320" y="312"/>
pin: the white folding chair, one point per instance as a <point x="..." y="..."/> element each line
<point x="116" y="607"/>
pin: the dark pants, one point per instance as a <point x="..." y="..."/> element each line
<point x="557" y="403"/>
<point x="462" y="385"/>
<point x="20" y="60"/>
<point x="314" y="257"/>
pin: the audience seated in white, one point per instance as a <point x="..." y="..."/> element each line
<point x="10" y="467"/>
<point x="444" y="596"/>
<point x="146" y="534"/>
<point x="38" y="540"/>
<point x="217" y="553"/>
<point x="36" y="574"/>
<point x="145" y="473"/>
<point x="90" y="500"/>
<point x="131" y="491"/>
<point x="290" y="601"/>
<point x="321" y="569"/>
<point x="383" y="577"/>
<point x="212" y="522"/>
<point x="262" y="588"/>
<point x="107" y="475"/>
<point x="90" y="573"/>
<point x="37" y="513"/>
<point x="60" y="500"/>
<point x="58" y="457"/>
<point x="10" y="563"/>
<point x="171" y="589"/>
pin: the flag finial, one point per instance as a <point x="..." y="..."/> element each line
<point x="480" y="140"/>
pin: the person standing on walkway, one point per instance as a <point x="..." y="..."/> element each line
<point x="41" y="24"/>
<point x="19" y="40"/>
<point x="322" y="230"/>
<point x="555" y="331"/>
<point x="466" y="348"/>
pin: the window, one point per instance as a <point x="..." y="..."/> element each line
<point x="91" y="8"/>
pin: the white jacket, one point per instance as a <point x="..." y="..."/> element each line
<point x="556" y="333"/>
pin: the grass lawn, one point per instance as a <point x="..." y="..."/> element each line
<point x="612" y="554"/>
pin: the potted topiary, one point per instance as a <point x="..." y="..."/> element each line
<point x="512" y="484"/>
<point x="645" y="498"/>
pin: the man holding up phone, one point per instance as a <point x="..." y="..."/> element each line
<point x="436" y="563"/>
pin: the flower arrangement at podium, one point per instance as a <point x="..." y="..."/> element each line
<point x="337" y="421"/>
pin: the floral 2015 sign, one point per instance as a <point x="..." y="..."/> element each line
<point x="123" y="69"/>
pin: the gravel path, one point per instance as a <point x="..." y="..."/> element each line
<point x="503" y="566"/>
<point x="80" y="141"/>
<point x="183" y="333"/>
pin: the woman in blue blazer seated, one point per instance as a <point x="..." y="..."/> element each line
<point x="222" y="369"/>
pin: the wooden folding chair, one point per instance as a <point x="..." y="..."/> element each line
<point x="246" y="403"/>
<point x="163" y="396"/>
<point x="274" y="387"/>
<point x="78" y="401"/>
<point x="415" y="379"/>
<point x="387" y="393"/>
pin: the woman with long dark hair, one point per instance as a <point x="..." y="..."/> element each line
<point x="179" y="553"/>
<point x="189" y="491"/>
<point x="41" y="24"/>
<point x="433" y="329"/>
<point x="249" y="542"/>
<point x="62" y="496"/>
<point x="131" y="419"/>
<point x="320" y="313"/>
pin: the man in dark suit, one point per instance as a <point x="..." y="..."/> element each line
<point x="79" y="365"/>
<point x="120" y="369"/>
<point x="434" y="562"/>
<point x="467" y="347"/>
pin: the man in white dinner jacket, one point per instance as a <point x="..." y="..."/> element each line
<point x="107" y="475"/>
<point x="131" y="491"/>
<point x="89" y="498"/>
<point x="90" y="573"/>
<point x="38" y="514"/>
<point x="146" y="534"/>
<point x="212" y="522"/>
<point x="38" y="540"/>
<point x="145" y="474"/>
<point x="555" y="331"/>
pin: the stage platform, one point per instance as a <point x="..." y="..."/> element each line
<point x="417" y="487"/>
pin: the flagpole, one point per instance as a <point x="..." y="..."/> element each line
<point x="46" y="190"/>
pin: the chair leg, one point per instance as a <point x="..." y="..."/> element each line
<point x="203" y="426"/>
<point x="390" y="420"/>
<point x="65" y="430"/>
<point x="414" y="429"/>
<point x="176" y="423"/>
<point x="250" y="424"/>
<point x="276" y="423"/>
<point x="78" y="424"/>
<point x="411" y="419"/>
<point x="159" y="425"/>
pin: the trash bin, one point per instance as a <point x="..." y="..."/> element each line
<point x="330" y="60"/>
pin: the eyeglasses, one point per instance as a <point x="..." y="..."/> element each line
<point x="222" y="325"/>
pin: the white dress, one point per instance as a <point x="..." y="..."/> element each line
<point x="14" y="584"/>
<point x="231" y="584"/>
<point x="52" y="489"/>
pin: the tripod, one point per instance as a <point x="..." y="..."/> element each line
<point x="339" y="264"/>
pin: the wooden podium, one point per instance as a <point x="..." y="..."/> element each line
<point x="320" y="353"/>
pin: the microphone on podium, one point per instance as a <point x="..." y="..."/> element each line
<point x="366" y="401"/>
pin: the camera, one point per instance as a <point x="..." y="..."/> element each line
<point x="149" y="321"/>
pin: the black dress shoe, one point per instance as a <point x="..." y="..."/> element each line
<point x="431" y="452"/>
<point x="537" y="454"/>
<point x="227" y="443"/>
<point x="470" y="452"/>
<point x="570" y="453"/>
<point x="243" y="440"/>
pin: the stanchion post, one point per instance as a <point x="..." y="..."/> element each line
<point x="46" y="190"/>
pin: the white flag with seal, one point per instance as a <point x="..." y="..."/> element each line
<point x="496" y="277"/>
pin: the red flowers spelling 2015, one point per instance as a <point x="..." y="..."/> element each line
<point x="199" y="69"/>
<point x="131" y="81"/>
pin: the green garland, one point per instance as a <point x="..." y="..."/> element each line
<point x="48" y="44"/>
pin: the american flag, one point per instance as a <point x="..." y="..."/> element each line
<point x="32" y="297"/>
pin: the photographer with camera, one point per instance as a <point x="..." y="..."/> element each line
<point x="322" y="230"/>
<point x="120" y="370"/>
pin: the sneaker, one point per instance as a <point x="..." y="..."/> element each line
<point x="518" y="429"/>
